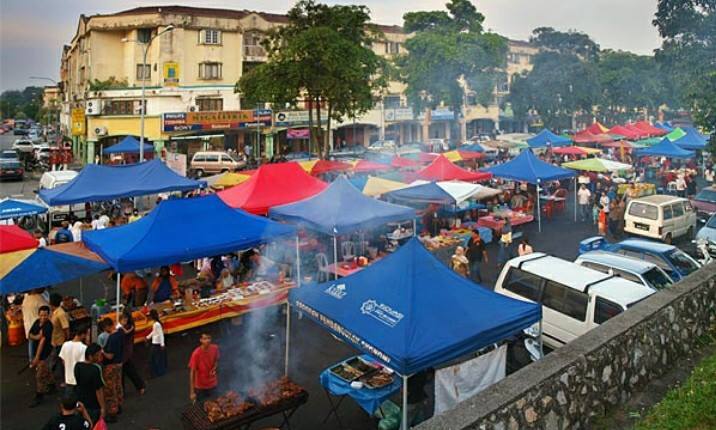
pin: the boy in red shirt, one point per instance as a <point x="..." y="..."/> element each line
<point x="202" y="369"/>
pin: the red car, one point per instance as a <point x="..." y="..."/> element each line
<point x="705" y="202"/>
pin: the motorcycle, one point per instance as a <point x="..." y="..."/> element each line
<point x="705" y="250"/>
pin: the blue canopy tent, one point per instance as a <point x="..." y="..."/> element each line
<point x="100" y="183"/>
<point x="526" y="167"/>
<point x="473" y="147"/>
<point x="40" y="267"/>
<point x="181" y="230"/>
<point x="664" y="126"/>
<point x="128" y="145"/>
<point x="359" y="181"/>
<point x="391" y="311"/>
<point x="341" y="209"/>
<point x="13" y="208"/>
<point x="692" y="140"/>
<point x="429" y="192"/>
<point x="665" y="148"/>
<point x="547" y="138"/>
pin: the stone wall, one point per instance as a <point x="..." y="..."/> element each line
<point x="601" y="369"/>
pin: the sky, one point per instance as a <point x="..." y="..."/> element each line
<point x="32" y="32"/>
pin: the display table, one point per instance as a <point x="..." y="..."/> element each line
<point x="369" y="399"/>
<point x="642" y="189"/>
<point x="346" y="268"/>
<point x="229" y="304"/>
<point x="496" y="224"/>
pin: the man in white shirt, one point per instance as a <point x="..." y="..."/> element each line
<point x="681" y="186"/>
<point x="71" y="353"/>
<point x="583" y="196"/>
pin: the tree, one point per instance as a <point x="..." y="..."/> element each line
<point x="563" y="82"/>
<point x="448" y="51"/>
<point x="323" y="56"/>
<point x="26" y="102"/>
<point x="688" y="28"/>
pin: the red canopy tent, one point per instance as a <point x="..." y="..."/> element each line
<point x="624" y="131"/>
<point x="572" y="150"/>
<point x="325" y="166"/>
<point x="272" y="185"/>
<point x="13" y="238"/>
<point x="399" y="162"/>
<point x="443" y="170"/>
<point x="596" y="128"/>
<point x="619" y="144"/>
<point x="470" y="155"/>
<point x="648" y="128"/>
<point x="637" y="130"/>
<point x="363" y="166"/>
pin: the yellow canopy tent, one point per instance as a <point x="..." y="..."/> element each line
<point x="230" y="179"/>
<point x="376" y="186"/>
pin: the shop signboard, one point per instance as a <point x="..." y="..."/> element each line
<point x="216" y="120"/>
<point x="442" y="115"/>
<point x="78" y="122"/>
<point x="294" y="118"/>
<point x="171" y="74"/>
<point x="398" y="114"/>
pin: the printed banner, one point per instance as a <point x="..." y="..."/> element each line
<point x="216" y="120"/>
<point x="171" y="74"/>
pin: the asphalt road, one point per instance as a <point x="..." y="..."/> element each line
<point x="17" y="189"/>
<point x="250" y="350"/>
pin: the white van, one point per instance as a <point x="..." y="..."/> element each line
<point x="53" y="179"/>
<point x="661" y="217"/>
<point x="574" y="299"/>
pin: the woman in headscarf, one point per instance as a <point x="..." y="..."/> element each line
<point x="77" y="231"/>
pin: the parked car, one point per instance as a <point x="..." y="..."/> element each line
<point x="660" y="217"/>
<point x="19" y="131"/>
<point x="35" y="135"/>
<point x="9" y="155"/>
<point x="42" y="152"/>
<point x="54" y="179"/>
<point x="11" y="169"/>
<point x="23" y="145"/>
<point x="574" y="299"/>
<point x="705" y="203"/>
<point x="675" y="262"/>
<point x="708" y="231"/>
<point x="213" y="162"/>
<point x="639" y="271"/>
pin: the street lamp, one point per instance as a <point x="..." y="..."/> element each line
<point x="43" y="78"/>
<point x="144" y="101"/>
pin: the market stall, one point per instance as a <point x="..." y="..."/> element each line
<point x="14" y="208"/>
<point x="600" y="165"/>
<point x="546" y="138"/>
<point x="442" y="169"/>
<point x="526" y="167"/>
<point x="665" y="148"/>
<point x="381" y="311"/>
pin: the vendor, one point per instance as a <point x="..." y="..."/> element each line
<point x="518" y="201"/>
<point x="164" y="286"/>
<point x="134" y="289"/>
<point x="225" y="281"/>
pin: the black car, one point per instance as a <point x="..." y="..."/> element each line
<point x="11" y="170"/>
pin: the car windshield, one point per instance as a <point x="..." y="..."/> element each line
<point x="706" y="196"/>
<point x="712" y="222"/>
<point x="657" y="279"/>
<point x="643" y="210"/>
<point x="683" y="262"/>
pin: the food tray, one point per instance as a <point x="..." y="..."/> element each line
<point x="353" y="368"/>
<point x="377" y="380"/>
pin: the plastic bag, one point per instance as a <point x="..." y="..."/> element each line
<point x="100" y="425"/>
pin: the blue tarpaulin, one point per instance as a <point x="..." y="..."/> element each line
<point x="45" y="267"/>
<point x="97" y="183"/>
<point x="547" y="138"/>
<point x="412" y="312"/>
<point x="12" y="208"/>
<point x="665" y="148"/>
<point x="127" y="145"/>
<point x="430" y="192"/>
<point x="180" y="230"/>
<point x="692" y="140"/>
<point x="341" y="209"/>
<point x="526" y="167"/>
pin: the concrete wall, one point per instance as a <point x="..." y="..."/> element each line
<point x="579" y="382"/>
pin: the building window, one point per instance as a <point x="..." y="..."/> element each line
<point x="144" y="72"/>
<point x="391" y="102"/>
<point x="210" y="104"/>
<point x="122" y="107"/>
<point x="210" y="37"/>
<point x="144" y="35"/>
<point x="210" y="71"/>
<point x="252" y="44"/>
<point x="392" y="47"/>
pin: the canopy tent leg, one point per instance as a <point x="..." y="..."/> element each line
<point x="575" y="199"/>
<point x="101" y="152"/>
<point x="415" y="228"/>
<point x="298" y="263"/>
<point x="539" y="210"/>
<point x="541" y="343"/>
<point x="288" y="337"/>
<point x="404" y="421"/>
<point x="335" y="257"/>
<point x="119" y="276"/>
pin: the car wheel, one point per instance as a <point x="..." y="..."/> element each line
<point x="224" y="170"/>
<point x="199" y="173"/>
<point x="667" y="239"/>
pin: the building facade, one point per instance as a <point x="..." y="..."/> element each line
<point x="194" y="58"/>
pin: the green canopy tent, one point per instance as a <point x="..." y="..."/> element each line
<point x="600" y="165"/>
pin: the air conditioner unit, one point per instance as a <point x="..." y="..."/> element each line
<point x="100" y="131"/>
<point x="193" y="108"/>
<point x="93" y="107"/>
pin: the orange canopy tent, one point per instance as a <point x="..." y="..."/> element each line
<point x="441" y="169"/>
<point x="272" y="185"/>
<point x="648" y="128"/>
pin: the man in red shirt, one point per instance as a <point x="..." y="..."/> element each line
<point x="202" y="369"/>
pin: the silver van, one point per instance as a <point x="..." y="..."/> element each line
<point x="640" y="271"/>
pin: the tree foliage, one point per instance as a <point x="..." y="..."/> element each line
<point x="323" y="56"/>
<point x="447" y="50"/>
<point x="688" y="28"/>
<point x="24" y="103"/>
